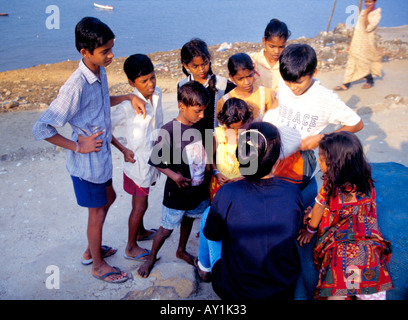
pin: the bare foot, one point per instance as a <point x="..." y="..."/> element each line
<point x="185" y="256"/>
<point x="146" y="267"/>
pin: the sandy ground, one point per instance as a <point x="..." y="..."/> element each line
<point x="41" y="225"/>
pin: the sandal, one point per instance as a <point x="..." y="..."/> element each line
<point x="341" y="87"/>
<point x="104" y="276"/>
<point x="367" y="85"/>
<point x="106" y="252"/>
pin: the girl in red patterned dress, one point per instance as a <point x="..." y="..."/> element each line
<point x="350" y="253"/>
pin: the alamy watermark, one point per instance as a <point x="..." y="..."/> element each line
<point x="53" y="20"/>
<point x="353" y="17"/>
<point x="53" y="280"/>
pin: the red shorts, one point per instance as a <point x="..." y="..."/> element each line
<point x="132" y="188"/>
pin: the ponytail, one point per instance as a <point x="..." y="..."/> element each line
<point x="213" y="80"/>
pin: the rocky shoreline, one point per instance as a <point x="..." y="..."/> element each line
<point x="34" y="88"/>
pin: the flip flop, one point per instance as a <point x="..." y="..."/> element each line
<point x="139" y="257"/>
<point x="105" y="254"/>
<point x="104" y="276"/>
<point x="367" y="86"/>
<point x="148" y="237"/>
<point x="341" y="87"/>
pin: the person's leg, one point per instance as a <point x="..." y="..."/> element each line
<point x="185" y="230"/>
<point x="171" y="218"/>
<point x="370" y="81"/>
<point x="91" y="195"/>
<point x="343" y="87"/>
<point x="159" y="238"/>
<point x="209" y="251"/>
<point x="96" y="218"/>
<point x="139" y="207"/>
<point x="309" y="193"/>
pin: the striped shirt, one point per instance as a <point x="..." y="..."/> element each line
<point x="83" y="102"/>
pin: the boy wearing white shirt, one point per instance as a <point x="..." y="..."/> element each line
<point x="138" y="175"/>
<point x="305" y="109"/>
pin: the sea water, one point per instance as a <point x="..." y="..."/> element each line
<point x="42" y="31"/>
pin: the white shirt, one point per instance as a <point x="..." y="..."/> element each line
<point x="140" y="135"/>
<point x="298" y="117"/>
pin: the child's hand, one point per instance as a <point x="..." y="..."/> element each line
<point x="129" y="155"/>
<point x="89" y="144"/>
<point x="221" y="179"/>
<point x="307" y="215"/>
<point x="304" y="237"/>
<point x="180" y="180"/>
<point x="311" y="143"/>
<point x="139" y="105"/>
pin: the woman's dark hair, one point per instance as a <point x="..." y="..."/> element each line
<point x="238" y="62"/>
<point x="193" y="93"/>
<point x="346" y="164"/>
<point x="234" y="110"/>
<point x="258" y="150"/>
<point x="276" y="28"/>
<point x="92" y="33"/>
<point x="296" y="61"/>
<point x="137" y="65"/>
<point x="197" y="48"/>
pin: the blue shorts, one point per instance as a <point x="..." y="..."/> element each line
<point x="171" y="218"/>
<point x="90" y="195"/>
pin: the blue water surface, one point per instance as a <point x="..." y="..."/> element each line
<point x="162" y="25"/>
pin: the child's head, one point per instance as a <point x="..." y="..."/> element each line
<point x="343" y="162"/>
<point x="242" y="71"/>
<point x="94" y="40"/>
<point x="258" y="150"/>
<point x="139" y="70"/>
<point x="196" y="59"/>
<point x="274" y="40"/>
<point x="192" y="100"/>
<point x="298" y="63"/>
<point x="92" y="33"/>
<point x="235" y="114"/>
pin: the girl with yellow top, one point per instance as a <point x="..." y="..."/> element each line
<point x="234" y="115"/>
<point x="242" y="73"/>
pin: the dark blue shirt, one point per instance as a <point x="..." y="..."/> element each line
<point x="258" y="224"/>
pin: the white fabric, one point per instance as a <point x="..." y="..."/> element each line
<point x="298" y="117"/>
<point x="140" y="135"/>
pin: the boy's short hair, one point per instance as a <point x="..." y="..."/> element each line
<point x="193" y="93"/>
<point x="137" y="65"/>
<point x="296" y="61"/>
<point x="92" y="33"/>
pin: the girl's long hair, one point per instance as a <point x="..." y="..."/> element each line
<point x="346" y="164"/>
<point x="197" y="48"/>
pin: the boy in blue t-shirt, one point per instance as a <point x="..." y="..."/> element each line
<point x="84" y="102"/>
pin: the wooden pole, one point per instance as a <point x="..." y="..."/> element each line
<point x="360" y="5"/>
<point x="331" y="16"/>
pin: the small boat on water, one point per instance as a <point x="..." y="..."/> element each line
<point x="3" y="14"/>
<point x="102" y="6"/>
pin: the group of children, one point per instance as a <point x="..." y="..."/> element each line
<point x="197" y="149"/>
